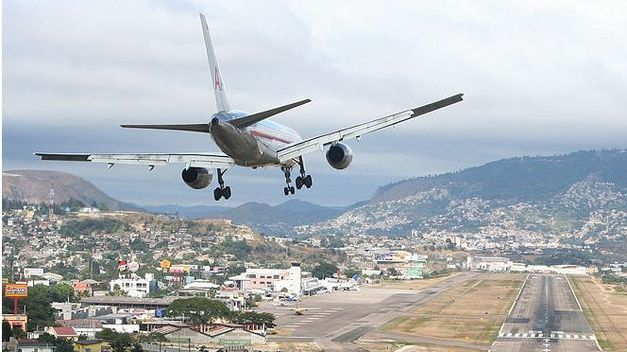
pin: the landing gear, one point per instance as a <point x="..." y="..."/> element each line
<point x="303" y="179"/>
<point x="221" y="191"/>
<point x="288" y="180"/>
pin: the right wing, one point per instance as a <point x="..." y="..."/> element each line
<point x="318" y="143"/>
<point x="148" y="159"/>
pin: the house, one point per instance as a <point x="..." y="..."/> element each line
<point x="34" y="346"/>
<point x="215" y="334"/>
<point x="90" y="346"/>
<point x="66" y="332"/>
<point x="87" y="327"/>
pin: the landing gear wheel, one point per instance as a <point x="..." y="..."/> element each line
<point x="307" y="181"/>
<point x="286" y="190"/>
<point x="217" y="194"/>
<point x="221" y="191"/>
<point x="292" y="189"/>
<point x="299" y="182"/>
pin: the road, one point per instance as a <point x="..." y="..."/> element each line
<point x="545" y="317"/>
<point x="335" y="320"/>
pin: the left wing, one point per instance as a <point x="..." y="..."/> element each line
<point x="148" y="159"/>
<point x="318" y="143"/>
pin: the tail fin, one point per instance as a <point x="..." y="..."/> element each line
<point x="222" y="103"/>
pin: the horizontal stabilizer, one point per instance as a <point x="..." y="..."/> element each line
<point x="254" y="118"/>
<point x="196" y="127"/>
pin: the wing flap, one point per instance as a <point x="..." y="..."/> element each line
<point x="147" y="159"/>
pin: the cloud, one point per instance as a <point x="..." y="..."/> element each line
<point x="539" y="78"/>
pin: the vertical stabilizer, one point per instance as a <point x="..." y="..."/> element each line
<point x="222" y="103"/>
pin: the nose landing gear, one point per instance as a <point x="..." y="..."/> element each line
<point x="221" y="191"/>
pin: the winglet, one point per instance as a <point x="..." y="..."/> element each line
<point x="437" y="105"/>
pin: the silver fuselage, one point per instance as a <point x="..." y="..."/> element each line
<point x="253" y="146"/>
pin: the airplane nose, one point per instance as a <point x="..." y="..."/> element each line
<point x="215" y="121"/>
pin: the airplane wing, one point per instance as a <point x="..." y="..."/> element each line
<point x="148" y="159"/>
<point x="319" y="142"/>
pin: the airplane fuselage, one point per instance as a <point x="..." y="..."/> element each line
<point x="252" y="146"/>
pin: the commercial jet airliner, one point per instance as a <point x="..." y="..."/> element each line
<point x="250" y="140"/>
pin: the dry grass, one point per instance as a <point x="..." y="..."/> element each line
<point x="412" y="284"/>
<point x="472" y="312"/>
<point x="381" y="347"/>
<point x="605" y="306"/>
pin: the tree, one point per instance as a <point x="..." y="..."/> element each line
<point x="18" y="333"/>
<point x="350" y="272"/>
<point x="324" y="269"/>
<point x="137" y="348"/>
<point x="63" y="345"/>
<point x="40" y="311"/>
<point x="61" y="292"/>
<point x="47" y="338"/>
<point x="198" y="310"/>
<point x="119" y="342"/>
<point x="392" y="272"/>
<point x="6" y="331"/>
<point x="266" y="319"/>
<point x="139" y="245"/>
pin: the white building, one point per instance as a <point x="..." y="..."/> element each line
<point x="495" y="264"/>
<point x="134" y="286"/>
<point x="270" y="280"/>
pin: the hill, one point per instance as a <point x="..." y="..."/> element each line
<point x="275" y="220"/>
<point x="33" y="186"/>
<point x="581" y="196"/>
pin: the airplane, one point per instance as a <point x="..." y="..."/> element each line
<point x="249" y="140"/>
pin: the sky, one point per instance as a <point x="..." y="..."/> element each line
<point x="538" y="78"/>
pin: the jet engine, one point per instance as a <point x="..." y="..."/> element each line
<point x="339" y="156"/>
<point x="197" y="177"/>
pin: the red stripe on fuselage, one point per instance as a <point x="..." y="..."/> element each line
<point x="268" y="136"/>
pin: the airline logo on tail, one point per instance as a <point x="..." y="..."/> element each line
<point x="218" y="83"/>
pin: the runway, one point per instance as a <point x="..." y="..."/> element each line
<point x="335" y="320"/>
<point x="545" y="317"/>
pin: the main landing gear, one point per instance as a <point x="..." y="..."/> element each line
<point x="221" y="191"/>
<point x="302" y="180"/>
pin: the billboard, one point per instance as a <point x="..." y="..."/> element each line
<point x="16" y="290"/>
<point x="28" y="272"/>
<point x="165" y="264"/>
<point x="180" y="269"/>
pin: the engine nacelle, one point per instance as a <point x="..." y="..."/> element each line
<point x="197" y="177"/>
<point x="339" y="156"/>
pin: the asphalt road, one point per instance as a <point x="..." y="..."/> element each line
<point x="337" y="319"/>
<point x="546" y="317"/>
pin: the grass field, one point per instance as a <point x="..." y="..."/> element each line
<point x="605" y="306"/>
<point x="411" y="284"/>
<point x="472" y="312"/>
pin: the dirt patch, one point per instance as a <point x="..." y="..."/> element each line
<point x="605" y="306"/>
<point x="472" y="312"/>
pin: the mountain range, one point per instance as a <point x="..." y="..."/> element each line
<point x="583" y="194"/>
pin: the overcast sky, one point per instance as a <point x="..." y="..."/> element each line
<point x="539" y="78"/>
